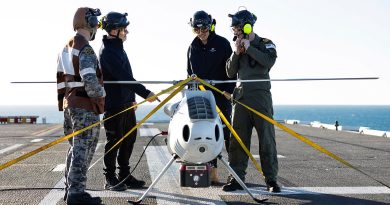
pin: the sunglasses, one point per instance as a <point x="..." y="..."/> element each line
<point x="236" y="29"/>
<point x="202" y="29"/>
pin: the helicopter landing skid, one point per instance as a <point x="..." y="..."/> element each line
<point x="174" y="157"/>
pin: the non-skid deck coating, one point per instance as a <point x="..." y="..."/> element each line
<point x="306" y="175"/>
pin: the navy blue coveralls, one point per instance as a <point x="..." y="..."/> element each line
<point x="208" y="62"/>
<point x="116" y="67"/>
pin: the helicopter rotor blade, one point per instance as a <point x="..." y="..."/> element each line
<point x="22" y="82"/>
<point x="219" y="81"/>
<point x="108" y="82"/>
<point x="291" y="79"/>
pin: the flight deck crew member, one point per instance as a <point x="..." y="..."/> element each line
<point x="253" y="58"/>
<point x="206" y="57"/>
<point x="116" y="67"/>
<point x="81" y="97"/>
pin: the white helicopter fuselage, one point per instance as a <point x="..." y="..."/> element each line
<point x="195" y="131"/>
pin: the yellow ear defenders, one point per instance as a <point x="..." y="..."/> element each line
<point x="100" y="23"/>
<point x="247" y="29"/>
<point x="212" y="27"/>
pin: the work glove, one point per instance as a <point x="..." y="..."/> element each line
<point x="152" y="97"/>
<point x="134" y="103"/>
<point x="227" y="95"/>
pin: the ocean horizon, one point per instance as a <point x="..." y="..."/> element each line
<point x="375" y="117"/>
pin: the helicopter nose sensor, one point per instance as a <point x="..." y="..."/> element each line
<point x="202" y="149"/>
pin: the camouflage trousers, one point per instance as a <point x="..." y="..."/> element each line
<point x="82" y="147"/>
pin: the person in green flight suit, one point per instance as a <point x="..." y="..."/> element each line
<point x="253" y="58"/>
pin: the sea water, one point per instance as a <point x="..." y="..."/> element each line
<point x="374" y="117"/>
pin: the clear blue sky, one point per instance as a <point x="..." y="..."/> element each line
<point x="314" y="39"/>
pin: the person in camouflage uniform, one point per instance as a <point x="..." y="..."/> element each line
<point x="253" y="58"/>
<point x="81" y="97"/>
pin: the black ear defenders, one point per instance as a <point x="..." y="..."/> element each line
<point x="92" y="21"/>
<point x="91" y="17"/>
<point x="202" y="21"/>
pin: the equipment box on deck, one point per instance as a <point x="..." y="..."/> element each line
<point x="194" y="175"/>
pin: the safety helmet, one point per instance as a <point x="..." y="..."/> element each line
<point x="85" y="18"/>
<point x="201" y="19"/>
<point x="114" y="20"/>
<point x="243" y="17"/>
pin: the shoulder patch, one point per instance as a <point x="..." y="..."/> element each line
<point x="270" y="45"/>
<point x="89" y="50"/>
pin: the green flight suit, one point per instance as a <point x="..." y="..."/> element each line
<point x="254" y="64"/>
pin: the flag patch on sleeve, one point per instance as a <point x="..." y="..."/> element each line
<point x="270" y="45"/>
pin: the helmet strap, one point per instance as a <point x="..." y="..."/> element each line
<point x="93" y="34"/>
<point x="245" y="35"/>
<point x="117" y="34"/>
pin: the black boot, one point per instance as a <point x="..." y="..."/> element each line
<point x="112" y="184"/>
<point x="66" y="191"/>
<point x="273" y="186"/>
<point x="132" y="183"/>
<point x="82" y="199"/>
<point x="65" y="195"/>
<point x="232" y="185"/>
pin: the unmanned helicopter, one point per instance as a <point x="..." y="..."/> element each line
<point x="195" y="131"/>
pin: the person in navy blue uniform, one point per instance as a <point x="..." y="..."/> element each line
<point x="116" y="67"/>
<point x="206" y="58"/>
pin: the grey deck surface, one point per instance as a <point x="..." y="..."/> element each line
<point x="306" y="175"/>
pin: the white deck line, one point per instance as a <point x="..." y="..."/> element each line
<point x="59" y="168"/>
<point x="148" y="132"/>
<point x="325" y="190"/>
<point x="36" y="140"/>
<point x="15" y="146"/>
<point x="258" y="156"/>
<point x="168" y="191"/>
<point x="55" y="195"/>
